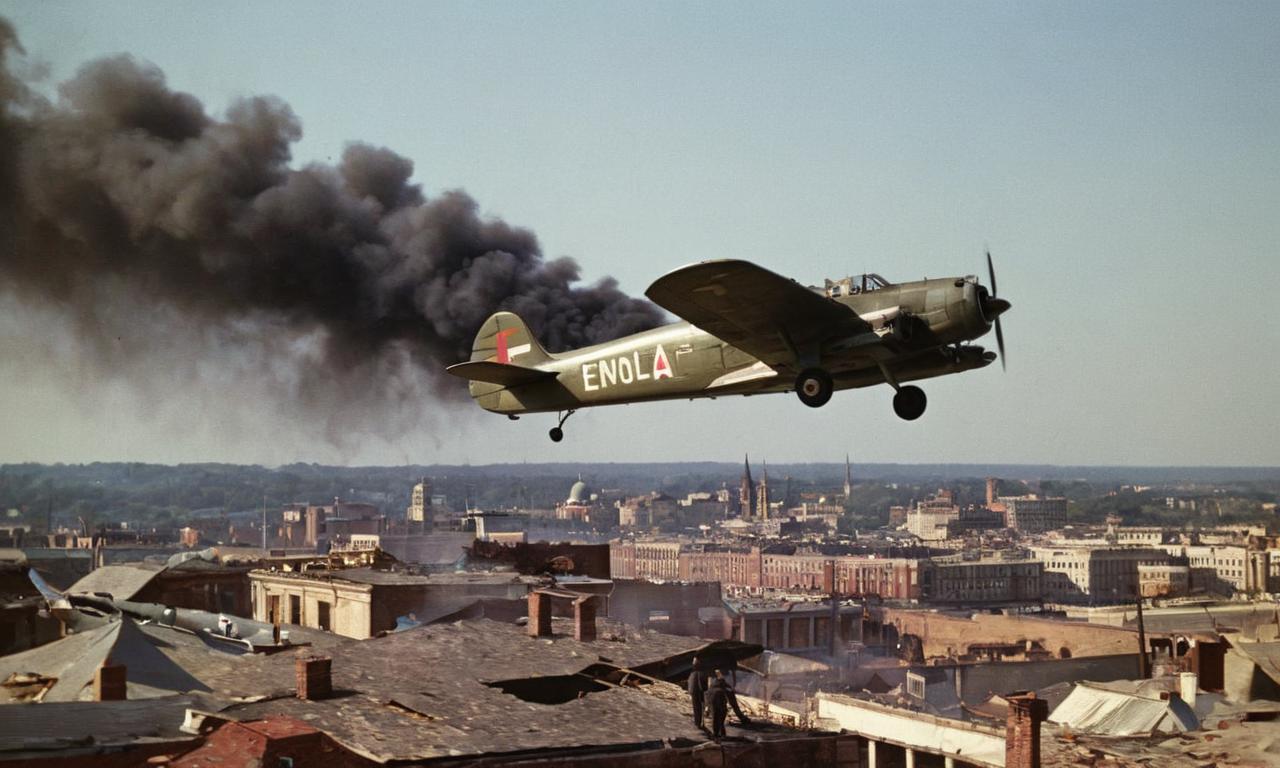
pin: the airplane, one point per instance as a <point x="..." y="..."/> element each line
<point x="81" y="612"/>
<point x="745" y="330"/>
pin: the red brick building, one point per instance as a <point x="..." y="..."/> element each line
<point x="895" y="578"/>
<point x="739" y="568"/>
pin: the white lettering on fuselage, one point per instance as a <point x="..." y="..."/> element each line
<point x="624" y="369"/>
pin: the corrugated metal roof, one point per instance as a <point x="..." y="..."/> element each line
<point x="122" y="582"/>
<point x="1265" y="655"/>
<point x="1091" y="709"/>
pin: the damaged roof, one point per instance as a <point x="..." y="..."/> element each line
<point x="1265" y="655"/>
<point x="160" y="661"/>
<point x="423" y="693"/>
<point x="1093" y="709"/>
<point x="65" y="668"/>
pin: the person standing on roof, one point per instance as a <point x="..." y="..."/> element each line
<point x="697" y="682"/>
<point x="718" y="698"/>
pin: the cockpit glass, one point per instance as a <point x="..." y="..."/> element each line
<point x="851" y="286"/>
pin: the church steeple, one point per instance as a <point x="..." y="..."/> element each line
<point x="747" y="490"/>
<point x="762" y="495"/>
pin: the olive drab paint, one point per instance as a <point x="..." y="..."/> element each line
<point x="746" y="330"/>
<point x="623" y="370"/>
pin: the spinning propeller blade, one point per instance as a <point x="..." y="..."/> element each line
<point x="996" y="306"/>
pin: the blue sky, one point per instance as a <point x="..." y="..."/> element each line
<point x="1121" y="161"/>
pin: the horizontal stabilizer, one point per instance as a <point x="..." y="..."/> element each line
<point x="502" y="374"/>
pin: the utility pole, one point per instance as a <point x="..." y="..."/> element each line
<point x="264" y="524"/>
<point x="1144" y="664"/>
<point x="833" y="622"/>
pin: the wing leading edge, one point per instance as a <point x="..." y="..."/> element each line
<point x="766" y="315"/>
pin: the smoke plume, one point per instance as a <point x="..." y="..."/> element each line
<point x="157" y="228"/>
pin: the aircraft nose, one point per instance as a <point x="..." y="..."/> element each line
<point x="993" y="307"/>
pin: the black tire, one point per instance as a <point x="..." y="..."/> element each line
<point x="557" y="434"/>
<point x="814" y="387"/>
<point x="909" y="403"/>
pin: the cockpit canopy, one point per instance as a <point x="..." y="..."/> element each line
<point x="851" y="286"/>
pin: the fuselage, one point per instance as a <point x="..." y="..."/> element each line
<point x="918" y="329"/>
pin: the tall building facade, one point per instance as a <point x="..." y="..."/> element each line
<point x="1035" y="514"/>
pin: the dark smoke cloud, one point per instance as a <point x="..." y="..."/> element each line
<point x="122" y="194"/>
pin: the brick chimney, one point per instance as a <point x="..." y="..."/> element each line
<point x="315" y="679"/>
<point x="1022" y="732"/>
<point x="584" y="619"/>
<point x="539" y="614"/>
<point x="110" y="682"/>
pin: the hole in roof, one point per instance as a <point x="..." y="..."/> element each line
<point x="553" y="689"/>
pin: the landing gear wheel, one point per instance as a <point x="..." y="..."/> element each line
<point x="557" y="432"/>
<point x="909" y="402"/>
<point x="814" y="387"/>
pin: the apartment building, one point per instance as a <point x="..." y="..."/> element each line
<point x="1079" y="574"/>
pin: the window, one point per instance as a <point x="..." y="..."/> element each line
<point x="295" y="609"/>
<point x="322" y="619"/>
<point x="915" y="685"/>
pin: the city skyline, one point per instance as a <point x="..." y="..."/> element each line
<point x="1119" y="166"/>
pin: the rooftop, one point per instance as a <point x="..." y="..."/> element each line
<point x="401" y="578"/>
<point x="445" y="706"/>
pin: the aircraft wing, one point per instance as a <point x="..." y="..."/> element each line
<point x="50" y="594"/>
<point x="766" y="315"/>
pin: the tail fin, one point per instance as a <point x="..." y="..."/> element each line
<point x="504" y="355"/>
<point x="505" y="339"/>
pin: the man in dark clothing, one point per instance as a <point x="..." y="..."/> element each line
<point x="718" y="698"/>
<point x="697" y="682"/>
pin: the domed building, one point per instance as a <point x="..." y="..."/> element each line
<point x="578" y="506"/>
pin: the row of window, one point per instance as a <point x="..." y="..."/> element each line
<point x="296" y="615"/>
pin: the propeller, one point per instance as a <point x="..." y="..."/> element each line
<point x="993" y="307"/>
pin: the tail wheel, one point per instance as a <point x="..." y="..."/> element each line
<point x="909" y="402"/>
<point x="814" y="387"/>
<point x="557" y="434"/>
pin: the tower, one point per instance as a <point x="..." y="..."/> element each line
<point x="419" y="511"/>
<point x="848" y="479"/>
<point x="762" y="493"/>
<point x="746" y="491"/>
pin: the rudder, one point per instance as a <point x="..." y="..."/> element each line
<point x="504" y="338"/>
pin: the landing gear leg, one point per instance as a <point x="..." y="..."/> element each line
<point x="909" y="402"/>
<point x="557" y="432"/>
<point x="814" y="387"/>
